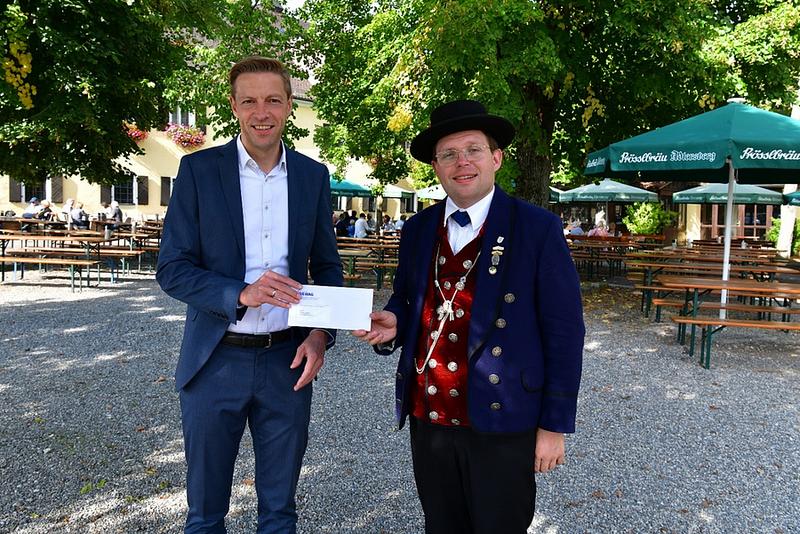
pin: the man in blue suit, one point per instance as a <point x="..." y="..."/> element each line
<point x="246" y="224"/>
<point x="487" y="312"/>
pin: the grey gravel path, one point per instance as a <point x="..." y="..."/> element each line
<point x="90" y="435"/>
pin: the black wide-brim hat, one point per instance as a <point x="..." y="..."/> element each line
<point x="460" y="116"/>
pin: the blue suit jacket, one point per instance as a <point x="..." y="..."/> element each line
<point x="537" y="347"/>
<point x="202" y="256"/>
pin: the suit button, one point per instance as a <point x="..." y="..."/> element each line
<point x="500" y="323"/>
<point x="494" y="379"/>
<point x="452" y="366"/>
<point x="495" y="406"/>
<point x="497" y="351"/>
<point x="432" y="363"/>
<point x="432" y="390"/>
<point x="454" y="393"/>
<point x="509" y="298"/>
<point x="433" y="416"/>
<point x="453" y="337"/>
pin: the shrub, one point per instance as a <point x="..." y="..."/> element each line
<point x="775" y="229"/>
<point x="648" y="218"/>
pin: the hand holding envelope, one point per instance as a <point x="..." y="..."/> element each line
<point x="382" y="330"/>
<point x="342" y="308"/>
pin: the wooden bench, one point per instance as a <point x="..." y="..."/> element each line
<point x="712" y="325"/>
<point x="72" y="265"/>
<point x="760" y="310"/>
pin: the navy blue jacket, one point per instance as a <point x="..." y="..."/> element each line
<point x="202" y="256"/>
<point x="526" y="324"/>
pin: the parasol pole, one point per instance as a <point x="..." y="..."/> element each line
<point x="726" y="257"/>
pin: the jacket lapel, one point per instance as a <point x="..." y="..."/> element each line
<point x="488" y="286"/>
<point x="232" y="191"/>
<point x="424" y="244"/>
<point x="296" y="195"/>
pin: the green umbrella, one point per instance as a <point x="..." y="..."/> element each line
<point x="608" y="191"/>
<point x="718" y="194"/>
<point x="793" y="199"/>
<point x="762" y="146"/>
<point x="759" y="146"/>
<point x="344" y="188"/>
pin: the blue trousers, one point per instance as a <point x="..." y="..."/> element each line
<point x="239" y="386"/>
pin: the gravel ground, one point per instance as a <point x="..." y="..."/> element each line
<point x="90" y="436"/>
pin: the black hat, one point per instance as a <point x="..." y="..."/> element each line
<point x="459" y="116"/>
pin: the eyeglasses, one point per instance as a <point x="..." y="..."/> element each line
<point x="472" y="154"/>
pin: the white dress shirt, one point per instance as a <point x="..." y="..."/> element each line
<point x="265" y="210"/>
<point x="459" y="236"/>
<point x="360" y="228"/>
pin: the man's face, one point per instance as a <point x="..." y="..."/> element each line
<point x="262" y="106"/>
<point x="464" y="181"/>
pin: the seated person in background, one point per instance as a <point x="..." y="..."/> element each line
<point x="78" y="216"/>
<point x="115" y="213"/>
<point x="371" y="223"/>
<point x="361" y="229"/>
<point x="340" y="228"/>
<point x="33" y="209"/>
<point x="599" y="229"/>
<point x="388" y="225"/>
<point x="66" y="211"/>
<point x="574" y="228"/>
<point x="399" y="224"/>
<point x="45" y="214"/>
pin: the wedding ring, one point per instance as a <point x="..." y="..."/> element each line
<point x="274" y="291"/>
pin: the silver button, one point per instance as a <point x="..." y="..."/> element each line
<point x="447" y="285"/>
<point x="500" y="323"/>
<point x="460" y="313"/>
<point x="434" y="416"/>
<point x="454" y="393"/>
<point x="497" y="351"/>
<point x="442" y="259"/>
<point x="467" y="264"/>
<point x="434" y="334"/>
<point x="510" y="298"/>
<point x="432" y="363"/>
<point x="455" y="421"/>
<point x="495" y="406"/>
<point x="432" y="390"/>
<point x="494" y="379"/>
<point x="452" y="337"/>
<point x="492" y="270"/>
<point x="452" y="366"/>
<point x="460" y="286"/>
<point x="399" y="376"/>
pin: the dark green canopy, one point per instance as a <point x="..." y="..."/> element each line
<point x="718" y="194"/>
<point x="344" y="188"/>
<point x="793" y="199"/>
<point x="607" y="191"/>
<point x="763" y="147"/>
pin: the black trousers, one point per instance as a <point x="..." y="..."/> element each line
<point x="473" y="483"/>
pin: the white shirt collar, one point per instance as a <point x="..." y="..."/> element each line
<point x="477" y="212"/>
<point x="245" y="158"/>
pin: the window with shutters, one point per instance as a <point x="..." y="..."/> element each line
<point x="183" y="117"/>
<point x="124" y="192"/>
<point x="34" y="190"/>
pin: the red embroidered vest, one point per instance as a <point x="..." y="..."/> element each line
<point x="439" y="394"/>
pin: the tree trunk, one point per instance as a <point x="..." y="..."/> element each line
<point x="533" y="183"/>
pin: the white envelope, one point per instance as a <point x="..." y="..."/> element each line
<point x="342" y="308"/>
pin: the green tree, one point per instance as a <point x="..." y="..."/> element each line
<point x="75" y="71"/>
<point x="571" y="76"/>
<point x="247" y="28"/>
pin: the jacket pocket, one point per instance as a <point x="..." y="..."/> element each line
<point x="531" y="380"/>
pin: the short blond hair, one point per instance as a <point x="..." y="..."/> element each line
<point x="260" y="64"/>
